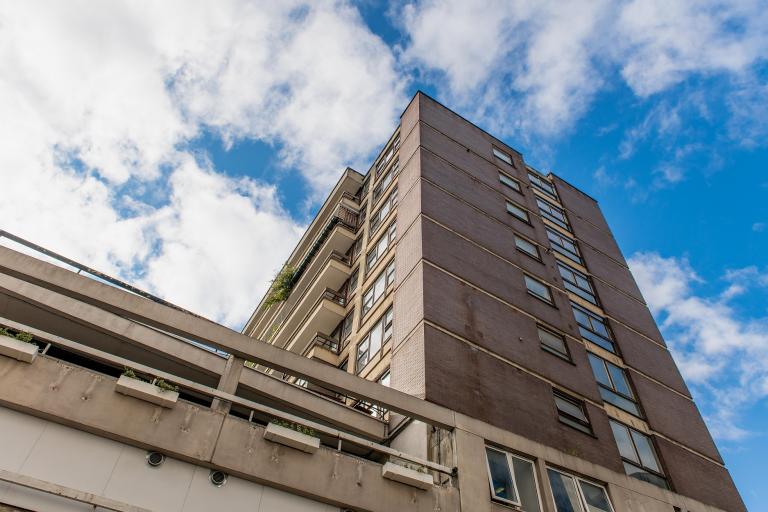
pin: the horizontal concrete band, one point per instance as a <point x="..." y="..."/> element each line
<point x="68" y="285"/>
<point x="214" y="393"/>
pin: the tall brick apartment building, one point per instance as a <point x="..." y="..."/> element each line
<point x="456" y="273"/>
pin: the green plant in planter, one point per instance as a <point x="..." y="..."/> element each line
<point x="415" y="467"/>
<point x="166" y="386"/>
<point x="21" y="335"/>
<point x="281" y="286"/>
<point x="128" y="372"/>
<point x="295" y="426"/>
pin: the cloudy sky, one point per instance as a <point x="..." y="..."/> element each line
<point x="183" y="146"/>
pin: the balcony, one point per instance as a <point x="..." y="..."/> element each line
<point x="314" y="299"/>
<point x="323" y="348"/>
<point x="324" y="315"/>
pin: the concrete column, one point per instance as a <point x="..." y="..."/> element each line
<point x="228" y="382"/>
<point x="547" y="499"/>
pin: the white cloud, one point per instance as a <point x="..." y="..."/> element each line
<point x="535" y="53"/>
<point x="100" y="103"/>
<point x="534" y="67"/>
<point x="723" y="356"/>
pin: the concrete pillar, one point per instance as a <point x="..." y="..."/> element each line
<point x="228" y="382"/>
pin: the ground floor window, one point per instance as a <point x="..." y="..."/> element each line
<point x="573" y="494"/>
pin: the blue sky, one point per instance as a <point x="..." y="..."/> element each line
<point x="184" y="146"/>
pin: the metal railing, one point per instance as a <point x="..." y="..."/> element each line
<point x="328" y="343"/>
<point x="116" y="361"/>
<point x="335" y="296"/>
<point x="99" y="276"/>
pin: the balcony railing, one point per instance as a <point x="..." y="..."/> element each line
<point x="326" y="342"/>
<point x="342" y="215"/>
<point x="335" y="296"/>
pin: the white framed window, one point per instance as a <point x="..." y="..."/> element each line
<point x="382" y="185"/>
<point x="388" y="154"/>
<point x="375" y="254"/>
<point x="371" y="344"/>
<point x="512" y="480"/>
<point x="379" y="287"/>
<point x="574" y="494"/>
<point x="502" y="155"/>
<point x="389" y="203"/>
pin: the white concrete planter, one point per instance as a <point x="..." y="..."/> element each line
<point x="16" y="349"/>
<point x="407" y="476"/>
<point x="146" y="391"/>
<point x="289" y="437"/>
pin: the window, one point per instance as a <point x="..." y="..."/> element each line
<point x="542" y="184"/>
<point x="578" y="283"/>
<point x="361" y="216"/>
<point x="379" y="287"/>
<point x="388" y="154"/>
<point x="538" y="289"/>
<point x="355" y="249"/>
<point x="614" y="384"/>
<point x="383" y="211"/>
<point x="510" y="182"/>
<point x="380" y="333"/>
<point x="553" y="213"/>
<point x="573" y="494"/>
<point x="553" y="343"/>
<point x="593" y="328"/>
<point x="638" y="454"/>
<point x="375" y="254"/>
<point x="502" y="155"/>
<point x="572" y="412"/>
<point x="527" y="247"/>
<point x="344" y="329"/>
<point x="517" y="211"/>
<point x="375" y="410"/>
<point x="565" y="246"/>
<point x="382" y="185"/>
<point x="512" y="480"/>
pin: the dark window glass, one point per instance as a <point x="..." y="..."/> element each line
<point x="552" y="342"/>
<point x="571" y="412"/>
<point x="593" y="328"/>
<point x="518" y="212"/>
<point x="640" y="460"/>
<point x="614" y="384"/>
<point x="527" y="247"/>
<point x="578" y="283"/>
<point x="538" y="289"/>
<point x="564" y="245"/>
<point x="502" y="155"/>
<point x="501" y="476"/>
<point x="510" y="182"/>
<point x="553" y="213"/>
<point x="542" y="184"/>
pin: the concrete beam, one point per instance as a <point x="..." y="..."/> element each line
<point x="55" y="285"/>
